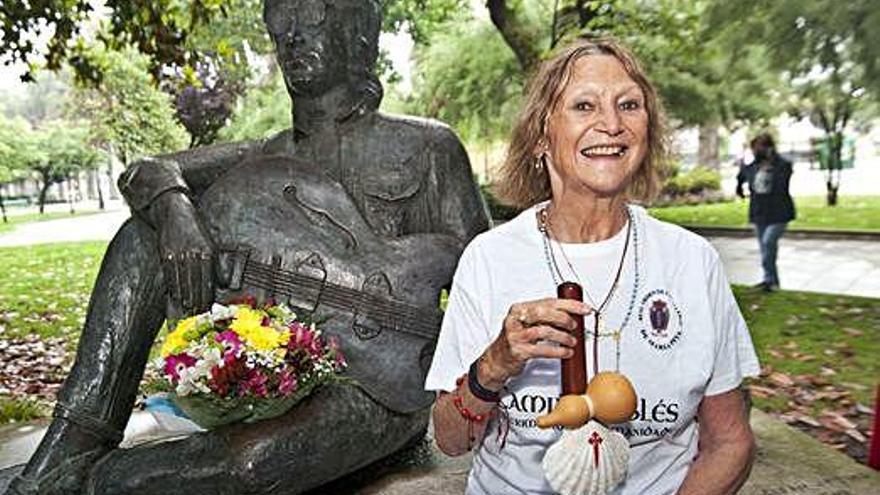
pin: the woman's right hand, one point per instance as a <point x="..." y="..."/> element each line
<point x="533" y="329"/>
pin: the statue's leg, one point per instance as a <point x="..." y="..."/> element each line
<point x="125" y="312"/>
<point x="331" y="433"/>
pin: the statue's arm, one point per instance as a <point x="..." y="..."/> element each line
<point x="189" y="171"/>
<point x="463" y="211"/>
<point x="161" y="190"/>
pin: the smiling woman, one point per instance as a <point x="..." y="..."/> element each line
<point x="657" y="304"/>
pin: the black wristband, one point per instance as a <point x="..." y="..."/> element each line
<point x="478" y="390"/>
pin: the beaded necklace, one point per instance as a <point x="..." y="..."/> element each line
<point x="556" y="273"/>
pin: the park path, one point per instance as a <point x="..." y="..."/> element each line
<point x="850" y="267"/>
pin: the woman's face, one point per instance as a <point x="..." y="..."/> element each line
<point x="597" y="135"/>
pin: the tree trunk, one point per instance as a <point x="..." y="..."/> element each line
<point x="100" y="194"/>
<point x="514" y="28"/>
<point x="43" y="190"/>
<point x="835" y="165"/>
<point x="707" y="153"/>
<point x="3" y="209"/>
<point x="71" y="195"/>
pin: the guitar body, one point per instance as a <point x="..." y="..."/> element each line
<point x="284" y="230"/>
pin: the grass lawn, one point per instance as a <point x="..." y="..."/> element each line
<point x="851" y="213"/>
<point x="44" y="289"/>
<point x="16" y="220"/>
<point x="829" y="338"/>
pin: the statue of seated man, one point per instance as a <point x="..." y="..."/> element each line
<point x="347" y="183"/>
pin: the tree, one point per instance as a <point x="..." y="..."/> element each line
<point x="56" y="152"/>
<point x="13" y="154"/>
<point x="476" y="91"/>
<point x="128" y="115"/>
<point x="702" y="83"/>
<point x="828" y="53"/>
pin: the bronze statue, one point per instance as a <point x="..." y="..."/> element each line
<point x="376" y="205"/>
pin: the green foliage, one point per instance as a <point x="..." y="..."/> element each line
<point x="477" y="91"/>
<point x="699" y="76"/>
<point x="127" y="113"/>
<point x="18" y="410"/>
<point x="420" y="18"/>
<point x="13" y="148"/>
<point x="827" y="51"/>
<point x="262" y="112"/>
<point x="694" y="181"/>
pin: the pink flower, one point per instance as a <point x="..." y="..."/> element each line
<point x="175" y="364"/>
<point x="287" y="382"/>
<point x="339" y="362"/>
<point x="302" y="337"/>
<point x="255" y="383"/>
<point x="232" y="345"/>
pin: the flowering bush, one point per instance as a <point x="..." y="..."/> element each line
<point x="242" y="362"/>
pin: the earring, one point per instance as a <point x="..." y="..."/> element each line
<point x="539" y="162"/>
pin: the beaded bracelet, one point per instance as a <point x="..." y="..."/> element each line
<point x="469" y="416"/>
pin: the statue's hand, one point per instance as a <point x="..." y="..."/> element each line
<point x="186" y="251"/>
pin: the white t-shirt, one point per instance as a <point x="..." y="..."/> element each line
<point x="683" y="338"/>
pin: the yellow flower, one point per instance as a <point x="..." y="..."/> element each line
<point x="174" y="343"/>
<point x="248" y="324"/>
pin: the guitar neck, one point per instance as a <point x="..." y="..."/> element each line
<point x="388" y="313"/>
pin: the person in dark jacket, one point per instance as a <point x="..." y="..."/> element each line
<point x="770" y="204"/>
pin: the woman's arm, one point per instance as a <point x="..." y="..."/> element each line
<point x="531" y="329"/>
<point x="726" y="446"/>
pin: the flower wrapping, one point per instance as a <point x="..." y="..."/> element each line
<point x="243" y="362"/>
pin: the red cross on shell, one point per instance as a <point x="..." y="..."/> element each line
<point x="595" y="440"/>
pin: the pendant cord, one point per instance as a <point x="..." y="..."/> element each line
<point x="546" y="230"/>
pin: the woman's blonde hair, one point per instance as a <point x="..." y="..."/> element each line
<point x="522" y="184"/>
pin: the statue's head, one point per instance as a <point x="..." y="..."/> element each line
<point x="322" y="44"/>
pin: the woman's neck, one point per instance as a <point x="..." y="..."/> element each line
<point x="585" y="220"/>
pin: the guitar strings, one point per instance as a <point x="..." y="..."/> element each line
<point x="381" y="309"/>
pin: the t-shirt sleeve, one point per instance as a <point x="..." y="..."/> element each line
<point x="735" y="356"/>
<point x="464" y="334"/>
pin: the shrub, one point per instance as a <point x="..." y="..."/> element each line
<point x="695" y="181"/>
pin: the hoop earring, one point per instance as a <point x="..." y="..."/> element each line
<point x="540" y="162"/>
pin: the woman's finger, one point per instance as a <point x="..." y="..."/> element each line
<point x="550" y="334"/>
<point x="547" y="350"/>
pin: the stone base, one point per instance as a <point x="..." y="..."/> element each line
<point x="788" y="462"/>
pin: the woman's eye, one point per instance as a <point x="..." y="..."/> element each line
<point x="583" y="106"/>
<point x="630" y="105"/>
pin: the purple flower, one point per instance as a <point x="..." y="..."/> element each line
<point x="176" y="364"/>
<point x="287" y="382"/>
<point x="232" y="345"/>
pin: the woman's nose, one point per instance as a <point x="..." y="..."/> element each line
<point x="610" y="121"/>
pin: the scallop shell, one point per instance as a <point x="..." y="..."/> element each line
<point x="573" y="468"/>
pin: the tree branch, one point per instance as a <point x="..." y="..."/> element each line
<point x="514" y="29"/>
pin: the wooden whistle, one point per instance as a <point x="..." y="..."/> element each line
<point x="574" y="369"/>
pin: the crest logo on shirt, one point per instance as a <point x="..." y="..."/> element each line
<point x="660" y="320"/>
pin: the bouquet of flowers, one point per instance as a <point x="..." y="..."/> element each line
<point x="243" y="362"/>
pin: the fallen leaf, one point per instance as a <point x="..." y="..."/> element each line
<point x="856" y="435"/>
<point x="781" y="379"/>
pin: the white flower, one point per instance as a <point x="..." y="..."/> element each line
<point x="221" y="312"/>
